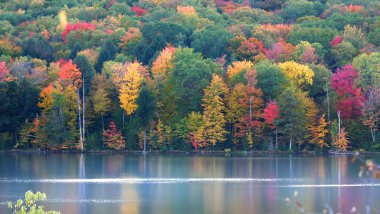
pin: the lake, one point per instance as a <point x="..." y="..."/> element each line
<point x="126" y="183"/>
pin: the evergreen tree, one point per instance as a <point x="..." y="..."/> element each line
<point x="146" y="109"/>
<point x="107" y="52"/>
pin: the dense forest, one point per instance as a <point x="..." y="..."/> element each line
<point x="300" y="75"/>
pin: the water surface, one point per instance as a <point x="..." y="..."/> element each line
<point x="118" y="183"/>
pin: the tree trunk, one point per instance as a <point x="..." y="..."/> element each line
<point x="373" y="134"/>
<point x="103" y="122"/>
<point x="62" y="122"/>
<point x="276" y="140"/>
<point x="144" y="140"/>
<point x="338" y="124"/>
<point x="79" y="123"/>
<point x="61" y="114"/>
<point x="231" y="132"/>
<point x="250" y="109"/>
<point x="328" y="103"/>
<point x="123" y="117"/>
<point x="84" y="112"/>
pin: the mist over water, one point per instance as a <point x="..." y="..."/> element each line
<point x="117" y="183"/>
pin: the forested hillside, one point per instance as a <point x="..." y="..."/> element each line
<point x="190" y="74"/>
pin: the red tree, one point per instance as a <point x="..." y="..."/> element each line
<point x="280" y="51"/>
<point x="113" y="138"/>
<point x="138" y="10"/>
<point x="271" y="113"/>
<point x="253" y="102"/>
<point x="250" y="48"/>
<point x="350" y="97"/>
<point x="80" y="26"/>
<point x="336" y="41"/>
<point x="194" y="141"/>
<point x="71" y="74"/>
<point x="354" y="8"/>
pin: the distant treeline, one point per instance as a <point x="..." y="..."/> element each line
<point x="190" y="74"/>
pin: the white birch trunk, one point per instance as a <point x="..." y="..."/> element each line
<point x="79" y="123"/>
<point x="84" y="112"/>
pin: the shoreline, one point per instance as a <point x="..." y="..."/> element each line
<point x="178" y="152"/>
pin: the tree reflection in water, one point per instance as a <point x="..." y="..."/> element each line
<point x="368" y="168"/>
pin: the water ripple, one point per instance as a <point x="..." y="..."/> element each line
<point x="150" y="180"/>
<point x="81" y="201"/>
<point x="329" y="185"/>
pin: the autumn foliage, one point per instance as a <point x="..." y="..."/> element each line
<point x="350" y="98"/>
<point x="341" y="143"/>
<point x="138" y="10"/>
<point x="46" y="99"/>
<point x="252" y="102"/>
<point x="130" y="87"/>
<point x="238" y="67"/>
<point x="237" y="74"/>
<point x="319" y="132"/>
<point x="132" y="35"/>
<point x="186" y="10"/>
<point x="271" y="113"/>
<point x="227" y="6"/>
<point x="214" y="108"/>
<point x="250" y="48"/>
<point x="79" y="26"/>
<point x="280" y="51"/>
<point x="353" y="8"/>
<point x="70" y="74"/>
<point x="163" y="65"/>
<point x="275" y="31"/>
<point x="5" y="75"/>
<point x="113" y="138"/>
<point x="299" y="75"/>
<point x="336" y="41"/>
<point x="8" y="47"/>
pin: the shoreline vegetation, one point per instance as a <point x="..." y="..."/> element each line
<point x="181" y="152"/>
<point x="191" y="75"/>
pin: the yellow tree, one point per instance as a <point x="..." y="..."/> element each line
<point x="163" y="65"/>
<point x="195" y="128"/>
<point x="159" y="132"/>
<point x="62" y="19"/>
<point x="102" y="103"/>
<point x="70" y="75"/>
<point x="214" y="120"/>
<point x="46" y="98"/>
<point x="69" y="107"/>
<point x="298" y="75"/>
<point x="64" y="99"/>
<point x="100" y="95"/>
<point x="160" y="136"/>
<point x="186" y="10"/>
<point x="234" y="110"/>
<point x="129" y="91"/>
<point x="238" y="67"/>
<point x="341" y="143"/>
<point x="319" y="133"/>
<point x="311" y="112"/>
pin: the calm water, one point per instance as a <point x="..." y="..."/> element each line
<point x="105" y="183"/>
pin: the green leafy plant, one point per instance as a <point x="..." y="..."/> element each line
<point x="29" y="204"/>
